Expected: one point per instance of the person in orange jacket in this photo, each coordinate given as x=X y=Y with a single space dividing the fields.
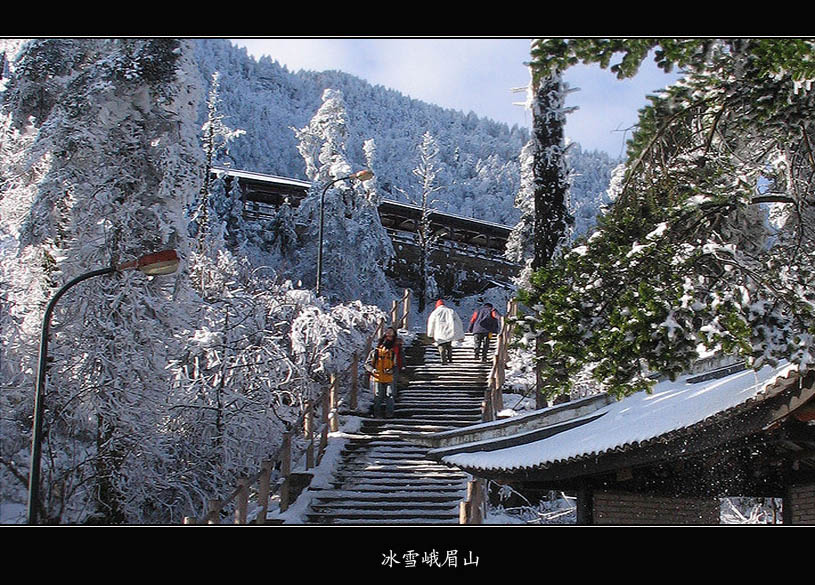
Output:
x=385 y=362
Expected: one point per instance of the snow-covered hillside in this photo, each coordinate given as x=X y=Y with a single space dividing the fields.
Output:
x=478 y=158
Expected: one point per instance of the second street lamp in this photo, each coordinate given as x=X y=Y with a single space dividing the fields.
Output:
x=165 y=262
x=359 y=176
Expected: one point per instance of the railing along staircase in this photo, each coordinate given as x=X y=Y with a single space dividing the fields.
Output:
x=342 y=390
x=384 y=478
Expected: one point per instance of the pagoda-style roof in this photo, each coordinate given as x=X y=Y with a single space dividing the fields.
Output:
x=689 y=417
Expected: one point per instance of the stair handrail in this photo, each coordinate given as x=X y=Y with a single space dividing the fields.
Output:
x=330 y=400
x=404 y=301
x=493 y=395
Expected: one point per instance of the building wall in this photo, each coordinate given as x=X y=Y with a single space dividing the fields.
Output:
x=458 y=271
x=625 y=508
x=801 y=504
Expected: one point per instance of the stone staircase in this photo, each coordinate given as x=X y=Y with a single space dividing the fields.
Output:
x=383 y=478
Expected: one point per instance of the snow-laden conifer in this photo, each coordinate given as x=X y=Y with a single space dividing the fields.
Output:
x=356 y=248
x=688 y=262
x=107 y=164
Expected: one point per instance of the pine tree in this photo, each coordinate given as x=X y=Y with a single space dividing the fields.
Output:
x=549 y=185
x=356 y=248
x=521 y=242
x=216 y=137
x=687 y=259
x=427 y=172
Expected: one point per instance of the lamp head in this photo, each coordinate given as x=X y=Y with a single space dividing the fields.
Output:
x=165 y=262
x=364 y=175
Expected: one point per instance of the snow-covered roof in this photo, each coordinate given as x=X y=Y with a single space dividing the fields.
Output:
x=261 y=177
x=636 y=419
x=275 y=179
x=418 y=210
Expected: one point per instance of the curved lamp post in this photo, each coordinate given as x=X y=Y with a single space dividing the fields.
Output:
x=359 y=176
x=165 y=262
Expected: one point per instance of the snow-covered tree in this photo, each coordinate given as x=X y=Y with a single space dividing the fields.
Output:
x=544 y=195
x=216 y=136
x=427 y=172
x=520 y=244
x=356 y=248
x=100 y=164
x=688 y=259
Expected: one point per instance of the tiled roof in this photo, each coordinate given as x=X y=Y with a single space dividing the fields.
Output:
x=670 y=409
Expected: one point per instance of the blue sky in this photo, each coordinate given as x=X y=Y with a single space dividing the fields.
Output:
x=474 y=74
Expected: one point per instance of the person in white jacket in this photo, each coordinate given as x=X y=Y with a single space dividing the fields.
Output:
x=444 y=326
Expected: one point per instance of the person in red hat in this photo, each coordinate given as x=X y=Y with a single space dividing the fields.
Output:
x=444 y=326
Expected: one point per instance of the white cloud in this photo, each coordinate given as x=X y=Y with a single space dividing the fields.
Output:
x=463 y=74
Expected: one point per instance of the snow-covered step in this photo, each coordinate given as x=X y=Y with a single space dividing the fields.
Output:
x=426 y=424
x=345 y=496
x=392 y=466
x=406 y=491
x=381 y=518
x=395 y=477
x=382 y=477
x=349 y=505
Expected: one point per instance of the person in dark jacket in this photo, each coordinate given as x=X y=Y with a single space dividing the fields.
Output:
x=483 y=322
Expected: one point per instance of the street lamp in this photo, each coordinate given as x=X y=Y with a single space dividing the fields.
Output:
x=363 y=175
x=165 y=262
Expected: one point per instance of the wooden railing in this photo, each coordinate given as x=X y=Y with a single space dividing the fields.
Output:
x=493 y=396
x=473 y=509
x=397 y=321
x=316 y=442
x=330 y=400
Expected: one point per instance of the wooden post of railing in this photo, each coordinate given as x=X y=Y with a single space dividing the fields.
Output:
x=333 y=420
x=472 y=498
x=494 y=401
x=308 y=433
x=353 y=399
x=405 y=309
x=264 y=490
x=463 y=509
x=394 y=314
x=368 y=343
x=497 y=379
x=481 y=499
x=285 y=471
x=324 y=433
x=487 y=413
x=242 y=505
x=213 y=512
x=473 y=509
